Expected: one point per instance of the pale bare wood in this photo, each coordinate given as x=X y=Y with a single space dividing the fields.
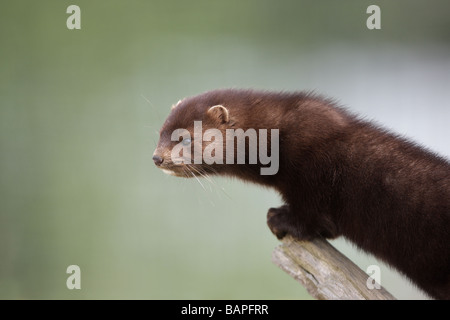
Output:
x=325 y=272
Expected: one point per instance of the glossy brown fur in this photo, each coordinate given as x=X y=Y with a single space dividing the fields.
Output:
x=339 y=175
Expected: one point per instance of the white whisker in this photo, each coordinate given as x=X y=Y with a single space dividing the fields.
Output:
x=204 y=175
x=153 y=106
x=198 y=181
x=147 y=100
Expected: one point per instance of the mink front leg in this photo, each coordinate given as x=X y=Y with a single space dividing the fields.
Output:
x=283 y=221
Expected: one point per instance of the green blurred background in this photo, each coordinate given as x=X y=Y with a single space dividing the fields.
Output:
x=80 y=111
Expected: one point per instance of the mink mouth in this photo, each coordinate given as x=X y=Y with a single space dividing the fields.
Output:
x=174 y=170
x=175 y=173
x=187 y=170
x=179 y=170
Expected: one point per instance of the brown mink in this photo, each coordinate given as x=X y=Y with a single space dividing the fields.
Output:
x=337 y=174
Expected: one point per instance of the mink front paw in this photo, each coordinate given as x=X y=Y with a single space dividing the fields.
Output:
x=277 y=220
x=281 y=223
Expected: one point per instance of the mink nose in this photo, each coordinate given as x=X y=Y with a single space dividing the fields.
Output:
x=158 y=160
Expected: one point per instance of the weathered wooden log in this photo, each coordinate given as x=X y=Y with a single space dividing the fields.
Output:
x=325 y=272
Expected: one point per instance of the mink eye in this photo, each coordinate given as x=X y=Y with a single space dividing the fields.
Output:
x=186 y=142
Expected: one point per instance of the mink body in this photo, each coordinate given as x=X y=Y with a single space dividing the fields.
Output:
x=338 y=176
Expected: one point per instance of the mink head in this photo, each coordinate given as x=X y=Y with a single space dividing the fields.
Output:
x=191 y=140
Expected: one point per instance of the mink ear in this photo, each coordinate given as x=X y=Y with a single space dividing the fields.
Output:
x=219 y=113
x=176 y=105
